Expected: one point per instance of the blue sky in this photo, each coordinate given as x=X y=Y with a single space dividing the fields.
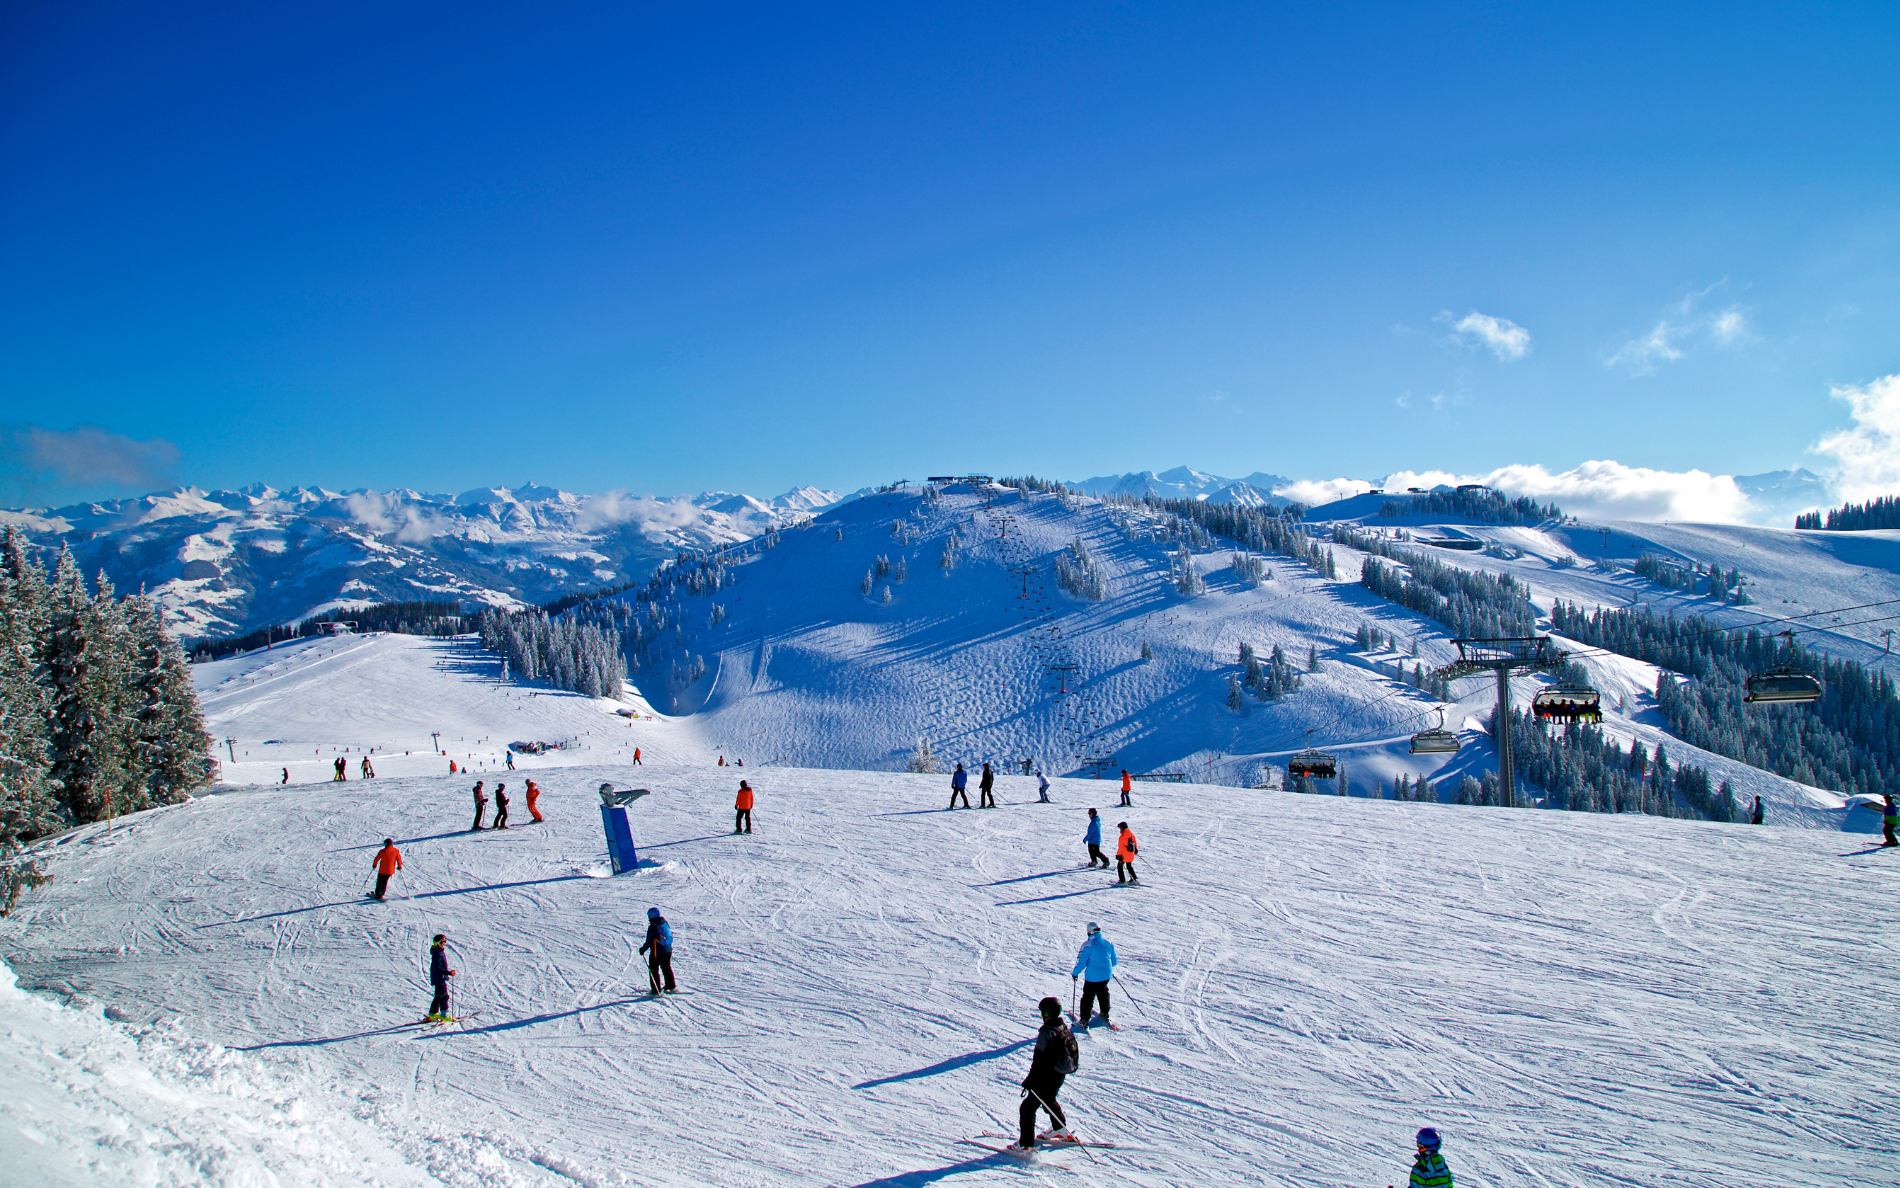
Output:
x=677 y=247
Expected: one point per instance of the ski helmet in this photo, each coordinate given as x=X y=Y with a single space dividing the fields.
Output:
x=1428 y=1139
x=1051 y=1007
x=389 y=841
x=653 y=913
x=1094 y=928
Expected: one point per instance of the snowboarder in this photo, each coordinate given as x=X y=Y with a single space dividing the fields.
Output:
x=511 y=760
x=439 y=975
x=501 y=806
x=481 y=806
x=1889 y=820
x=636 y=758
x=1428 y=1166
x=1056 y=1056
x=659 y=950
x=1092 y=838
x=1125 y=851
x=984 y=784
x=959 y=784
x=387 y=862
x=1042 y=788
x=1097 y=959
x=369 y=773
x=534 y=798
x=286 y=778
x=742 y=809
x=1128 y=785
x=1755 y=818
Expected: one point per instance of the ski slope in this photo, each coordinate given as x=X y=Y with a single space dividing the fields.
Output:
x=1572 y=999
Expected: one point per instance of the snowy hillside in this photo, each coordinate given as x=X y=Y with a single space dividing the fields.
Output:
x=1572 y=999
x=992 y=660
x=224 y=562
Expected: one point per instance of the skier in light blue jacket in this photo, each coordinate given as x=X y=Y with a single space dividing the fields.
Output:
x=1093 y=840
x=1097 y=959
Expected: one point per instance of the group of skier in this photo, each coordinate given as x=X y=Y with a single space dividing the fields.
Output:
x=501 y=805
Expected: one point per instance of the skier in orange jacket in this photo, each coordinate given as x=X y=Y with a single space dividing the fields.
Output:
x=534 y=796
x=387 y=862
x=1125 y=851
x=1128 y=785
x=742 y=806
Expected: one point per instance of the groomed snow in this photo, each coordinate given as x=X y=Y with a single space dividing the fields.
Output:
x=1571 y=999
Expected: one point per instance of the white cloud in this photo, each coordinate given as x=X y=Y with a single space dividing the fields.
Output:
x=1598 y=490
x=1730 y=326
x=1641 y=356
x=1867 y=456
x=90 y=455
x=1313 y=492
x=1501 y=336
x=1667 y=341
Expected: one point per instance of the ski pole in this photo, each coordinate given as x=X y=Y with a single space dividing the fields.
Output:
x=1123 y=987
x=1075 y=1007
x=1053 y=1115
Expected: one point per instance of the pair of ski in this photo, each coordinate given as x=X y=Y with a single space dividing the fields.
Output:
x=991 y=1140
x=1075 y=1022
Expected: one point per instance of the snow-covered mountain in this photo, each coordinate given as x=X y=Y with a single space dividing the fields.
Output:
x=1183 y=482
x=1778 y=495
x=222 y=562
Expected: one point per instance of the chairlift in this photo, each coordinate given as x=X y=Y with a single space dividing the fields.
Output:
x=1782 y=684
x=1312 y=765
x=1435 y=740
x=1568 y=703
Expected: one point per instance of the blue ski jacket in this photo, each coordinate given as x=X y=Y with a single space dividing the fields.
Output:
x=1094 y=836
x=960 y=780
x=1097 y=957
x=659 y=936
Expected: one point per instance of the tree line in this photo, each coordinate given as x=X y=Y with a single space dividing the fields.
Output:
x=437 y=619
x=1883 y=512
x=97 y=713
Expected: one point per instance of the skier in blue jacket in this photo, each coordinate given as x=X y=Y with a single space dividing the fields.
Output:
x=959 y=781
x=1096 y=958
x=1093 y=840
x=659 y=951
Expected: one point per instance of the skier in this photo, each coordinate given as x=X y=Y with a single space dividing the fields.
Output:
x=1097 y=959
x=1125 y=851
x=959 y=783
x=452 y=767
x=439 y=975
x=501 y=806
x=1056 y=1056
x=722 y=760
x=369 y=773
x=984 y=784
x=1128 y=785
x=1755 y=818
x=1093 y=840
x=1889 y=820
x=387 y=862
x=481 y=806
x=286 y=778
x=511 y=760
x=534 y=797
x=342 y=770
x=636 y=758
x=1027 y=764
x=742 y=809
x=1428 y=1167
x=659 y=950
x=1042 y=788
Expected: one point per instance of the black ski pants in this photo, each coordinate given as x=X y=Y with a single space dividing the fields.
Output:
x=382 y=885
x=660 y=969
x=959 y=794
x=481 y=807
x=1091 y=993
x=1125 y=872
x=1126 y=802
x=1886 y=833
x=1040 y=1095
x=1096 y=855
x=742 y=820
x=987 y=800
x=439 y=1005
x=501 y=817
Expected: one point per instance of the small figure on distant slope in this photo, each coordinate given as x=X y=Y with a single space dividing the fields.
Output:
x=636 y=758
x=340 y=769
x=387 y=862
x=1428 y=1166
x=1128 y=785
x=501 y=806
x=742 y=809
x=286 y=778
x=984 y=784
x=481 y=805
x=1055 y=1057
x=1092 y=838
x=369 y=773
x=1125 y=851
x=439 y=975
x=1042 y=788
x=1755 y=818
x=511 y=759
x=959 y=786
x=534 y=802
x=1097 y=959
x=659 y=950
x=1889 y=820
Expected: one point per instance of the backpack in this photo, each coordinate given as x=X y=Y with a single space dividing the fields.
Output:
x=1073 y=1054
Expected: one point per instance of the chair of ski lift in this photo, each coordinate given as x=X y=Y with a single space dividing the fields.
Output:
x=1435 y=740
x=1568 y=703
x=1313 y=765
x=1781 y=686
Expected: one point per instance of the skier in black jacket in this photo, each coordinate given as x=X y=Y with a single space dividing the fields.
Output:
x=985 y=785
x=1055 y=1058
x=439 y=975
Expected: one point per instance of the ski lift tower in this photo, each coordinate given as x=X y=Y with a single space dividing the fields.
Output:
x=1503 y=657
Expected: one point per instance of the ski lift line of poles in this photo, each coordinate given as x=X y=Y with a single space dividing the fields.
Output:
x=1582 y=653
